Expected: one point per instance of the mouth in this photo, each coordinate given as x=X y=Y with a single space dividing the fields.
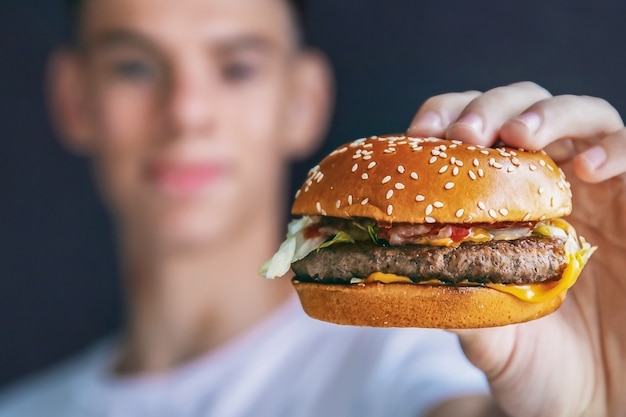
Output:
x=186 y=179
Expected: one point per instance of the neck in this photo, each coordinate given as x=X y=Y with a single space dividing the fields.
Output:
x=186 y=303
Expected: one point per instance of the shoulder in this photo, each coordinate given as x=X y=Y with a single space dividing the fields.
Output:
x=53 y=392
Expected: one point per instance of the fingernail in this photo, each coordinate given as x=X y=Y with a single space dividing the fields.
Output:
x=531 y=119
x=595 y=156
x=472 y=120
x=430 y=119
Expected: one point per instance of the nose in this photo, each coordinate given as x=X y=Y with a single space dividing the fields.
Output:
x=190 y=101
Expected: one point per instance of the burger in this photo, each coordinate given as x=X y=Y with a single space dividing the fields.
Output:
x=398 y=231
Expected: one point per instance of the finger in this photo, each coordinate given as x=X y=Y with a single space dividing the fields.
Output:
x=438 y=112
x=605 y=160
x=567 y=116
x=480 y=121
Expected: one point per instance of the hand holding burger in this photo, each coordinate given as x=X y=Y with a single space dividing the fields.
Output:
x=571 y=362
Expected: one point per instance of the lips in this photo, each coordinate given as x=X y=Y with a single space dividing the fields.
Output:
x=186 y=178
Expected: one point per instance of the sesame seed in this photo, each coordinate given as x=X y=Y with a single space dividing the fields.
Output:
x=371 y=165
x=542 y=162
x=400 y=169
x=389 y=150
x=367 y=157
x=399 y=186
x=429 y=209
x=510 y=168
x=541 y=190
x=338 y=203
x=471 y=148
x=350 y=199
x=420 y=197
x=459 y=213
x=492 y=161
x=475 y=162
x=318 y=206
x=443 y=169
x=455 y=171
x=430 y=219
x=438 y=204
x=532 y=167
x=414 y=175
x=482 y=206
x=355 y=167
x=526 y=217
x=503 y=211
x=456 y=141
x=453 y=160
x=389 y=209
x=356 y=156
x=432 y=160
x=459 y=163
x=386 y=179
x=493 y=213
x=324 y=212
x=497 y=165
x=443 y=155
x=481 y=173
x=320 y=175
x=389 y=194
x=449 y=185
x=365 y=201
x=515 y=161
x=364 y=176
x=471 y=174
x=550 y=167
x=484 y=151
x=298 y=193
x=435 y=151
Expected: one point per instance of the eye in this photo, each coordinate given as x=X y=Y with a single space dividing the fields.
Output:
x=134 y=70
x=239 y=71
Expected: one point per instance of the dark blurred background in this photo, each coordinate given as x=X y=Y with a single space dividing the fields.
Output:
x=59 y=288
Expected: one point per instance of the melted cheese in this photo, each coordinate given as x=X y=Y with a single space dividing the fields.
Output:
x=386 y=278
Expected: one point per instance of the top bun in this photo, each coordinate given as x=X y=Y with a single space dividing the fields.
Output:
x=427 y=180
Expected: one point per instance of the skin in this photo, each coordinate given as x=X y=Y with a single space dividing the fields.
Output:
x=190 y=111
x=570 y=363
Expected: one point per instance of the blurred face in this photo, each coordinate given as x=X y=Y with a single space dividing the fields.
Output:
x=187 y=102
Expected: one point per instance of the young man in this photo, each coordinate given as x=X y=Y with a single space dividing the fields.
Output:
x=190 y=111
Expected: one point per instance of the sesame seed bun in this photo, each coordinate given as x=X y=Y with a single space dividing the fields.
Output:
x=427 y=180
x=409 y=305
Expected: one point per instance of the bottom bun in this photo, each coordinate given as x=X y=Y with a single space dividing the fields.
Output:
x=410 y=305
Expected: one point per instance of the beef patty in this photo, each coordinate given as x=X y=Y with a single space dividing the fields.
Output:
x=520 y=261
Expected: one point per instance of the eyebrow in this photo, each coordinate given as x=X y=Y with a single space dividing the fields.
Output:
x=224 y=46
x=116 y=38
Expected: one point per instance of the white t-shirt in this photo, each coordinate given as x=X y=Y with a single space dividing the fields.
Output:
x=288 y=365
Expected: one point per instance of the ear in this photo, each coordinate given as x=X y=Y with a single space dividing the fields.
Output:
x=67 y=100
x=311 y=104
